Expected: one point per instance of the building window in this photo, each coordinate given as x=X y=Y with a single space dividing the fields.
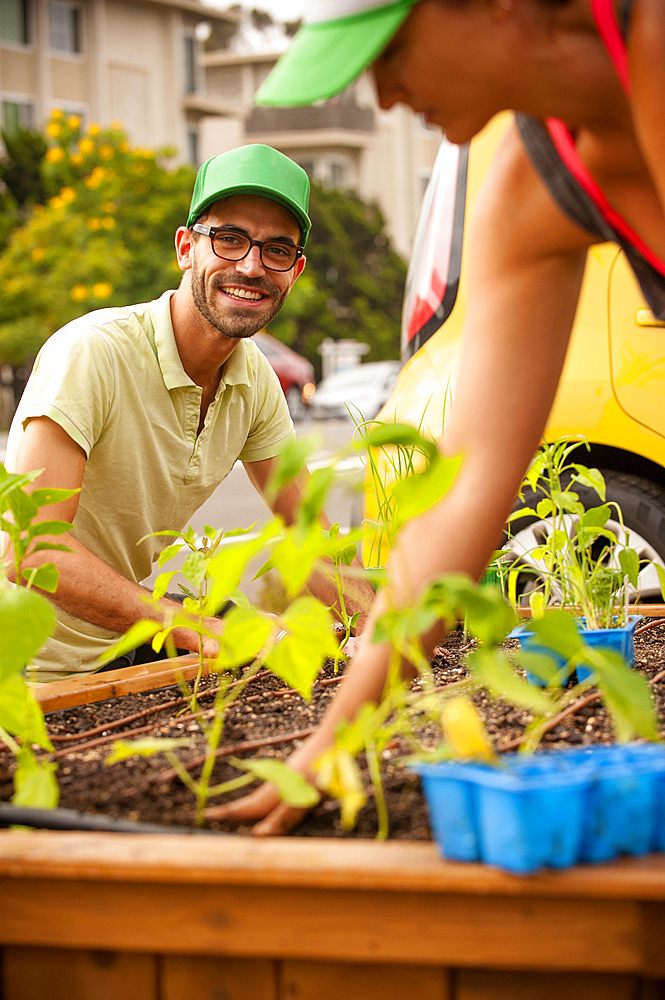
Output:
x=16 y=115
x=337 y=174
x=190 y=64
x=65 y=21
x=193 y=147
x=14 y=21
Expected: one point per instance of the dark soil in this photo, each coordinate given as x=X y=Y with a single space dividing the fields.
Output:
x=141 y=788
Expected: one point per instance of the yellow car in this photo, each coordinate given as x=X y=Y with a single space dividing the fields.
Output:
x=613 y=386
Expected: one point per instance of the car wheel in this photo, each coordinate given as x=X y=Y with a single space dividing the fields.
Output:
x=643 y=507
x=295 y=404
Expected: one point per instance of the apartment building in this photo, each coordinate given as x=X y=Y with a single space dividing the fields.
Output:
x=347 y=142
x=137 y=62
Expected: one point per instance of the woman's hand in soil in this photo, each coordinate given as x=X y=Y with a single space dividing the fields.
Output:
x=264 y=805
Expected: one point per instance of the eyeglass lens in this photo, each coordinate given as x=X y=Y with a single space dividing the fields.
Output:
x=235 y=246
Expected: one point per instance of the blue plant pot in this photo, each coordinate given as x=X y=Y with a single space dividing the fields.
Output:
x=556 y=808
x=620 y=639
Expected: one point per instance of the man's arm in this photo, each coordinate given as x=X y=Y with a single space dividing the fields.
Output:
x=526 y=263
x=88 y=587
x=358 y=593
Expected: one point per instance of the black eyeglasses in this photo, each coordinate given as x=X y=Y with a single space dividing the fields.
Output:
x=230 y=245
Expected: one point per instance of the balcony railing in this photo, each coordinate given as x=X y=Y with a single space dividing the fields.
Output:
x=328 y=116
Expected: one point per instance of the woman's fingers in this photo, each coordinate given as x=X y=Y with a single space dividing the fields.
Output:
x=282 y=819
x=254 y=806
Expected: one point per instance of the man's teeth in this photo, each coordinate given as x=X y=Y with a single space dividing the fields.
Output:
x=242 y=293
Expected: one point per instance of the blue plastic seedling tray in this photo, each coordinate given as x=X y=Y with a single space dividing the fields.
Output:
x=553 y=809
x=621 y=640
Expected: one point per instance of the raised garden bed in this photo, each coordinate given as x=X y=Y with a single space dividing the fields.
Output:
x=181 y=916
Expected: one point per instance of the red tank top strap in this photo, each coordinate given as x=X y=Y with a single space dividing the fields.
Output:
x=565 y=145
x=609 y=30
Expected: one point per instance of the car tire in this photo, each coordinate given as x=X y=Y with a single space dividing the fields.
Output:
x=642 y=504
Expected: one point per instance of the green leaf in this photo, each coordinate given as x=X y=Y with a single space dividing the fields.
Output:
x=139 y=633
x=591 y=478
x=596 y=517
x=34 y=782
x=298 y=658
x=146 y=747
x=545 y=508
x=416 y=494
x=49 y=528
x=542 y=666
x=626 y=696
x=630 y=565
x=20 y=712
x=557 y=631
x=45 y=577
x=293 y=461
x=293 y=787
x=318 y=486
x=23 y=507
x=48 y=496
x=162 y=582
x=194 y=568
x=168 y=553
x=228 y=565
x=26 y=621
x=49 y=547
x=661 y=577
x=244 y=635
x=384 y=435
x=495 y=673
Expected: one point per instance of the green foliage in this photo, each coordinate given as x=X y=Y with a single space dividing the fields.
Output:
x=582 y=563
x=103 y=236
x=352 y=285
x=26 y=621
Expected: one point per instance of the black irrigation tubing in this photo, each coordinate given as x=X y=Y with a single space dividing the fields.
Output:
x=70 y=819
x=652 y=624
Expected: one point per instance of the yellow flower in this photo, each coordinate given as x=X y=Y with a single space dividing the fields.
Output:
x=54 y=129
x=79 y=293
x=56 y=113
x=108 y=206
x=99 y=172
x=102 y=290
x=55 y=154
x=73 y=121
x=57 y=202
x=465 y=731
x=86 y=146
x=76 y=159
x=37 y=253
x=106 y=151
x=123 y=147
x=68 y=194
x=108 y=222
x=93 y=224
x=94 y=129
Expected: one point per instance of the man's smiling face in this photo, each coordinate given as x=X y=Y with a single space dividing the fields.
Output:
x=240 y=297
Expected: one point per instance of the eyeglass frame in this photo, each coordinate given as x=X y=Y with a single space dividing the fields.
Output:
x=212 y=231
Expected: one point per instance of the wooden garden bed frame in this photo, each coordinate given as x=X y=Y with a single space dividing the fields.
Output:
x=102 y=916
x=185 y=917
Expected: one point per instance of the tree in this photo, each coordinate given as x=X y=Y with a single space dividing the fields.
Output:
x=105 y=238
x=352 y=285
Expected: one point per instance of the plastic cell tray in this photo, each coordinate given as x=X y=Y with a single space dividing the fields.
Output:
x=552 y=809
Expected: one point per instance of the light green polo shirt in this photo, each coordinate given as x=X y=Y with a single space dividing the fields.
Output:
x=113 y=380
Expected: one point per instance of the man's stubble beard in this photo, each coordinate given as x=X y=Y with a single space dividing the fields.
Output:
x=230 y=325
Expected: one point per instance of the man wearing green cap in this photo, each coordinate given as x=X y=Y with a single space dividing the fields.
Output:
x=583 y=164
x=147 y=408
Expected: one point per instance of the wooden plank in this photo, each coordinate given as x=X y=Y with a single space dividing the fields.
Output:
x=33 y=973
x=352 y=981
x=648 y=610
x=184 y=977
x=307 y=862
x=483 y=984
x=351 y=925
x=112 y=683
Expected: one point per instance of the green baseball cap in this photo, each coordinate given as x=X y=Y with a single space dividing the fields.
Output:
x=254 y=169
x=338 y=39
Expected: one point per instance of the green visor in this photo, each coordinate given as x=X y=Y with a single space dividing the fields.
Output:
x=326 y=56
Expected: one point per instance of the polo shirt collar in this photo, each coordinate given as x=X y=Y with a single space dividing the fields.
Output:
x=236 y=369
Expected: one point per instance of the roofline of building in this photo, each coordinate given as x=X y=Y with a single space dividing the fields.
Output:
x=195 y=7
